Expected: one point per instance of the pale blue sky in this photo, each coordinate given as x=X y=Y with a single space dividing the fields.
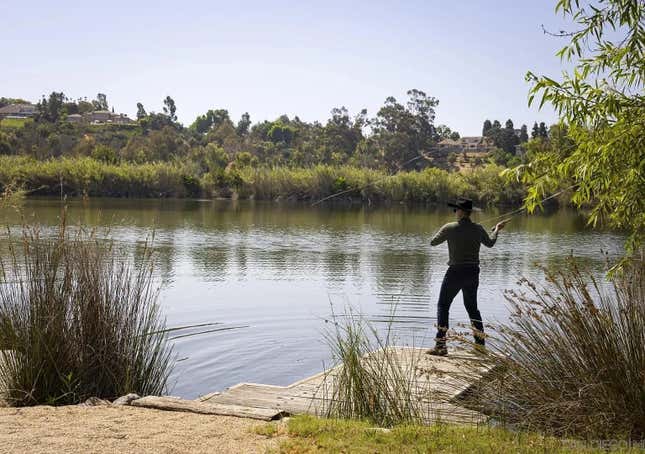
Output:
x=270 y=58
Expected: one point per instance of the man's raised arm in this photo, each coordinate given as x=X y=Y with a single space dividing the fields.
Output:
x=489 y=241
x=440 y=236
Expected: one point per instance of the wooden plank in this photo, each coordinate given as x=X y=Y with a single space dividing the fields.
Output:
x=175 y=404
x=437 y=383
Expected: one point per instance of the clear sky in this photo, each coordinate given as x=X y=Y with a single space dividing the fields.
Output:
x=276 y=57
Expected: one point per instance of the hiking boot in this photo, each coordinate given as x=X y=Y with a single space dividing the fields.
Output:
x=438 y=351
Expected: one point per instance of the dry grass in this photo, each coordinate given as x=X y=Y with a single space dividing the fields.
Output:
x=571 y=362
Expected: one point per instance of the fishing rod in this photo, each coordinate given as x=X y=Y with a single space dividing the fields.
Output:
x=511 y=214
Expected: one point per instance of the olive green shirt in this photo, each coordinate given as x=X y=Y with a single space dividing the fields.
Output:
x=464 y=238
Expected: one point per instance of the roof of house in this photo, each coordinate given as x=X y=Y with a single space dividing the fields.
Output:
x=17 y=109
x=75 y=116
x=449 y=142
x=472 y=139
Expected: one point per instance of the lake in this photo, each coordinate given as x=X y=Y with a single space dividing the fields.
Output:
x=273 y=273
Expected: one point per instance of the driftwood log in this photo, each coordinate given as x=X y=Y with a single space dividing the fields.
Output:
x=192 y=406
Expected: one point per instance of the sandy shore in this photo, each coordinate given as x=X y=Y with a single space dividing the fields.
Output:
x=106 y=429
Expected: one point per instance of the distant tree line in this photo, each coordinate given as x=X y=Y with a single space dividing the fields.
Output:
x=389 y=140
x=395 y=135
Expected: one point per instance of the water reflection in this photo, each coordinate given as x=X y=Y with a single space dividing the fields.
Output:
x=278 y=268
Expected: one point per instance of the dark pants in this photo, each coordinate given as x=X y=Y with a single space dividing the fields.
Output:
x=466 y=279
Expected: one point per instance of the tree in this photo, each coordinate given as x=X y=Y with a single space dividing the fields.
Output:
x=202 y=123
x=281 y=132
x=524 y=135
x=422 y=108
x=487 y=126
x=443 y=132
x=402 y=132
x=51 y=109
x=170 y=108
x=340 y=136
x=503 y=138
x=165 y=144
x=141 y=112
x=6 y=101
x=70 y=107
x=84 y=106
x=243 y=125
x=210 y=120
x=603 y=107
x=360 y=120
x=535 y=132
x=100 y=103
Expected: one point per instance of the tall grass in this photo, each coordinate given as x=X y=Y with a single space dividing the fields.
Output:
x=484 y=185
x=87 y=176
x=91 y=177
x=571 y=361
x=76 y=318
x=370 y=380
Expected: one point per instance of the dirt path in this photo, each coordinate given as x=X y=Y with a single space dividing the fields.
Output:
x=105 y=429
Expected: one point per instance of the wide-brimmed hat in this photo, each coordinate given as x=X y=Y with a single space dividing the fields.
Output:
x=463 y=204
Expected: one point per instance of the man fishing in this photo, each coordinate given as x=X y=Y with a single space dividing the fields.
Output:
x=464 y=239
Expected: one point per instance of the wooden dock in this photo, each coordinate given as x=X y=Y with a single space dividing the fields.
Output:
x=438 y=383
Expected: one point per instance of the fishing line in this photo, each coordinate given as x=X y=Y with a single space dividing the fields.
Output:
x=360 y=188
x=512 y=214
x=509 y=214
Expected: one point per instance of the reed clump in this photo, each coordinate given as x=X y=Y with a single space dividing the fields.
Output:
x=369 y=381
x=86 y=176
x=77 y=320
x=485 y=185
x=571 y=361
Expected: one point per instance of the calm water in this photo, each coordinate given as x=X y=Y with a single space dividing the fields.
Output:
x=276 y=271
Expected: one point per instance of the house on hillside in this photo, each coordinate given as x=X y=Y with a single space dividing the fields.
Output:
x=100 y=117
x=121 y=119
x=463 y=153
x=18 y=111
x=477 y=144
x=75 y=118
x=473 y=144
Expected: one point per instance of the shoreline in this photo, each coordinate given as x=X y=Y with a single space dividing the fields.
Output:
x=341 y=203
